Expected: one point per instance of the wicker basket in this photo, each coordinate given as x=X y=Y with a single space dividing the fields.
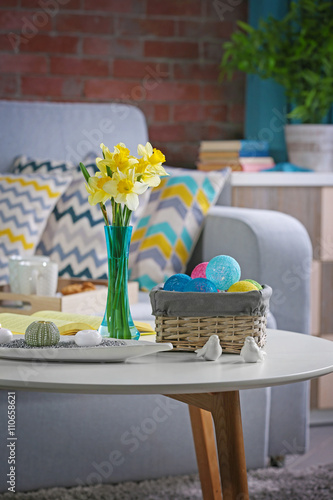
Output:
x=231 y=316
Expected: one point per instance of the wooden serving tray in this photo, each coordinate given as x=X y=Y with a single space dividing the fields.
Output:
x=92 y=302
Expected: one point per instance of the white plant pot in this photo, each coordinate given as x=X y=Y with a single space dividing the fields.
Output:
x=310 y=146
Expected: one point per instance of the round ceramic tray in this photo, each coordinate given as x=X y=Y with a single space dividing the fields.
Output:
x=106 y=354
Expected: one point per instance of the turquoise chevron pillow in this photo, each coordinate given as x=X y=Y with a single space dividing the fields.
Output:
x=171 y=223
x=27 y=165
x=26 y=201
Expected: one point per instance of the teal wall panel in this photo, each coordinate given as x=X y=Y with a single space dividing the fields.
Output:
x=266 y=105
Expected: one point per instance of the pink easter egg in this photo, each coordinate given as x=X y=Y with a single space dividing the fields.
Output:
x=199 y=271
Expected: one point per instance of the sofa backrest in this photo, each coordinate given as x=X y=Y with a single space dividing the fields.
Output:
x=66 y=131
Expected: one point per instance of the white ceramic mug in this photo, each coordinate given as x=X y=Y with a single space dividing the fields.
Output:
x=13 y=265
x=37 y=276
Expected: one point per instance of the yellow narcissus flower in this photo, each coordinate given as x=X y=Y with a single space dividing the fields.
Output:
x=157 y=158
x=150 y=165
x=95 y=188
x=124 y=188
x=145 y=173
x=151 y=155
x=120 y=159
x=141 y=167
x=122 y=178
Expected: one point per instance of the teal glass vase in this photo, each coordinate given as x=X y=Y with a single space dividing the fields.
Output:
x=117 y=321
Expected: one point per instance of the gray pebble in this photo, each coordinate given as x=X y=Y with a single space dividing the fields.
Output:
x=62 y=344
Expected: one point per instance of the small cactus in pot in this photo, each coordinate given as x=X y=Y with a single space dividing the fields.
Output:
x=42 y=334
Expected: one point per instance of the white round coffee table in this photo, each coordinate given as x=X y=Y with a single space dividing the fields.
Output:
x=210 y=386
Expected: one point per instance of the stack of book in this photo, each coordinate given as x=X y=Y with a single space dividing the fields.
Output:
x=243 y=155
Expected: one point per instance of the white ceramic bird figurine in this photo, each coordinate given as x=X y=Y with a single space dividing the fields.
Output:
x=251 y=352
x=212 y=350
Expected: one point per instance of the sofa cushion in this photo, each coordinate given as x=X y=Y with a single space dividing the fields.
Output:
x=25 y=164
x=26 y=202
x=74 y=234
x=171 y=223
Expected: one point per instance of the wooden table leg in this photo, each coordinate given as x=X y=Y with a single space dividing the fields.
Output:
x=230 y=445
x=205 y=449
x=225 y=410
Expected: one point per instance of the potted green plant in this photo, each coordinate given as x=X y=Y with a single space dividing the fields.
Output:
x=296 y=52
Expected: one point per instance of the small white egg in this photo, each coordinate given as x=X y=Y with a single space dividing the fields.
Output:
x=88 y=338
x=5 y=336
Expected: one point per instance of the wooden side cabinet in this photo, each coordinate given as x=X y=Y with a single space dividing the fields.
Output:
x=309 y=198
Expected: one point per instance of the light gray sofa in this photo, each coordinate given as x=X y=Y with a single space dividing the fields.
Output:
x=66 y=439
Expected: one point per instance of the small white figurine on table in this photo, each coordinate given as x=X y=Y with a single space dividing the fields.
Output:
x=212 y=349
x=251 y=352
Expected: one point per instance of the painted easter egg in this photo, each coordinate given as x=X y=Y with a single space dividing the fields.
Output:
x=242 y=286
x=176 y=283
x=199 y=271
x=200 y=285
x=223 y=271
x=255 y=283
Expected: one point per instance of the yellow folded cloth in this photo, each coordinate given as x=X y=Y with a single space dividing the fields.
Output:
x=68 y=324
x=144 y=328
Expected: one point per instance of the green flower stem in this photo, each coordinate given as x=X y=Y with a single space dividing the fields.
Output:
x=105 y=214
x=113 y=204
x=128 y=214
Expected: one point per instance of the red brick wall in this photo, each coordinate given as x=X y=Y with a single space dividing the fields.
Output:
x=160 y=55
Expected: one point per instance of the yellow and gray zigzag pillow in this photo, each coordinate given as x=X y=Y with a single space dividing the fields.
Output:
x=26 y=202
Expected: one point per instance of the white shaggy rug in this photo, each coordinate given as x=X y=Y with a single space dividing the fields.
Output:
x=315 y=483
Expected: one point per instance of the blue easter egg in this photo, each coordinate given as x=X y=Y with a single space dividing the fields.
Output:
x=200 y=285
x=223 y=271
x=176 y=283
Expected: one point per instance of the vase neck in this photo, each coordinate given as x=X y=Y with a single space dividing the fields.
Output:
x=118 y=240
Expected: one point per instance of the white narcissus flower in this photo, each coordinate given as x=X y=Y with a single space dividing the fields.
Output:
x=125 y=189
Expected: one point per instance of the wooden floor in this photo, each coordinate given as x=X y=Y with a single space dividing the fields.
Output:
x=321 y=443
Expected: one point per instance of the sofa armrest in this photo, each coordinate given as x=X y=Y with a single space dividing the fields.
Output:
x=272 y=248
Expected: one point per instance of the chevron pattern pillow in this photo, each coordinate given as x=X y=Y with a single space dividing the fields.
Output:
x=26 y=202
x=25 y=164
x=74 y=235
x=171 y=224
